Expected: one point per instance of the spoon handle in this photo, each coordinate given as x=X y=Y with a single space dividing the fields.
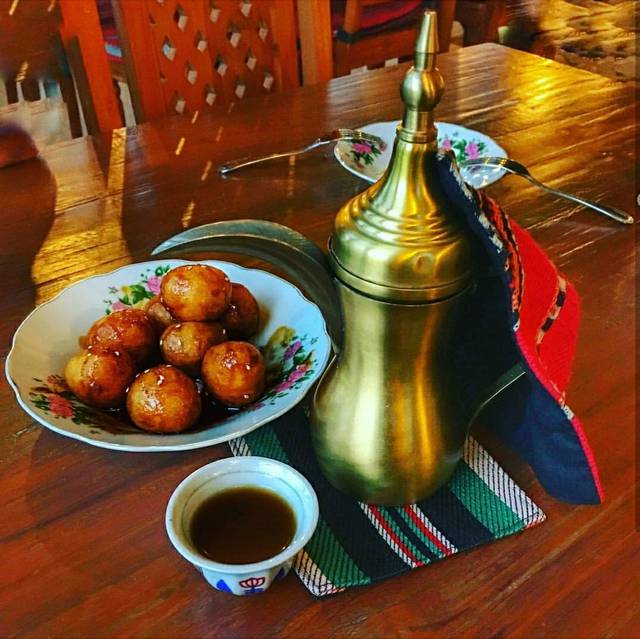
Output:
x=609 y=211
x=238 y=164
x=352 y=135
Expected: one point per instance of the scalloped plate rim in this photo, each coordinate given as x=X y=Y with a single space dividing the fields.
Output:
x=297 y=397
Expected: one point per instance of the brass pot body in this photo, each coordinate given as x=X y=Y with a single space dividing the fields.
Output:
x=386 y=422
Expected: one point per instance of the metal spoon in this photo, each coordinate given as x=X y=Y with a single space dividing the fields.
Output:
x=350 y=135
x=511 y=166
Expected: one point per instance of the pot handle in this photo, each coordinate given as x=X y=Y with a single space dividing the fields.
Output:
x=293 y=253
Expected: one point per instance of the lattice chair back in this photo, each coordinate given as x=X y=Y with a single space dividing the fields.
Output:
x=184 y=55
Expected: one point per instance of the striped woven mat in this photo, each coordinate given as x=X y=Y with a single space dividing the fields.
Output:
x=357 y=544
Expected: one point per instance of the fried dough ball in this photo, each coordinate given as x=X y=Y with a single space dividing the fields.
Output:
x=196 y=293
x=163 y=399
x=242 y=317
x=100 y=376
x=234 y=373
x=130 y=330
x=159 y=313
x=185 y=344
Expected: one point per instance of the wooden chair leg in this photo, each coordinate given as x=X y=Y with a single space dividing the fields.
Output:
x=76 y=64
x=30 y=90
x=67 y=90
x=480 y=20
x=316 y=42
x=341 y=57
x=80 y=28
x=12 y=91
x=343 y=63
x=495 y=17
x=446 y=12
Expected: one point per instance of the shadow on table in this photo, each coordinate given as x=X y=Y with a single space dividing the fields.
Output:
x=22 y=232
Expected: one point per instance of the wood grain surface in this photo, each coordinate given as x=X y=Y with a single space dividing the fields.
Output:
x=83 y=547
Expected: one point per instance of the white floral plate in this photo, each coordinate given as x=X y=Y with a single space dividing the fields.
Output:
x=369 y=162
x=292 y=336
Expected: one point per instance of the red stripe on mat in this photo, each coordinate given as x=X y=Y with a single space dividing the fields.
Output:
x=378 y=515
x=426 y=532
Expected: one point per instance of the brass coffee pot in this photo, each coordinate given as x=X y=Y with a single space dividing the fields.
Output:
x=387 y=424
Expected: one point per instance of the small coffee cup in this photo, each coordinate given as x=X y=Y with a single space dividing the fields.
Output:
x=242 y=472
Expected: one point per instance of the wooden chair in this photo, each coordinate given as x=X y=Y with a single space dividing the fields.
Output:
x=47 y=43
x=480 y=19
x=183 y=55
x=325 y=56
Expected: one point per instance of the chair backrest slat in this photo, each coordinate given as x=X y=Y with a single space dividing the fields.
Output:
x=183 y=55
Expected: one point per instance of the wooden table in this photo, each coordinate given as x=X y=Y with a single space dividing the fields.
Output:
x=84 y=551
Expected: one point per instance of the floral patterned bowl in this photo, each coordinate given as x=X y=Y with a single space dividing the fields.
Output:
x=292 y=337
x=370 y=162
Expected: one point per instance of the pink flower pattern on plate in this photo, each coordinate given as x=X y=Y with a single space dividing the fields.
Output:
x=54 y=397
x=118 y=306
x=283 y=386
x=362 y=147
x=296 y=374
x=292 y=350
x=472 y=151
x=153 y=284
x=137 y=293
x=60 y=406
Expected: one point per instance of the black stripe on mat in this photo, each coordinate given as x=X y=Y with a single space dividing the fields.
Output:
x=449 y=515
x=410 y=534
x=341 y=512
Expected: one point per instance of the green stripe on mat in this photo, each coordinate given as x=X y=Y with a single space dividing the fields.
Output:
x=332 y=559
x=264 y=443
x=403 y=538
x=423 y=538
x=482 y=502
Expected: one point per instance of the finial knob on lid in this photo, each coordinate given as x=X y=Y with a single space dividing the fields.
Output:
x=423 y=84
x=403 y=240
